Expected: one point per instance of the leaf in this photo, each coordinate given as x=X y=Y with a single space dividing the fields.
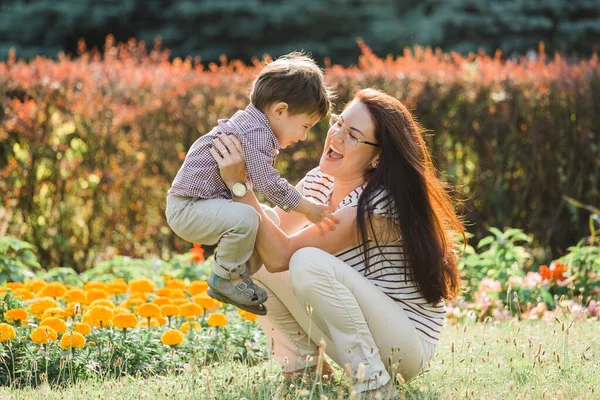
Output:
x=485 y=241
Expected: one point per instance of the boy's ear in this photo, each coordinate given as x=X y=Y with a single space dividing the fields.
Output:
x=278 y=109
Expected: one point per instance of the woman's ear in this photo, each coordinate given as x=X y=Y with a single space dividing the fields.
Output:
x=375 y=161
x=279 y=109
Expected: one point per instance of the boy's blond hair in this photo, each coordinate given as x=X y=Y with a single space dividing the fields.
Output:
x=296 y=80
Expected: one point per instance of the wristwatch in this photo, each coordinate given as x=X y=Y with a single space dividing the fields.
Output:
x=239 y=189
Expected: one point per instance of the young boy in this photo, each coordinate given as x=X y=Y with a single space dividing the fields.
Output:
x=288 y=97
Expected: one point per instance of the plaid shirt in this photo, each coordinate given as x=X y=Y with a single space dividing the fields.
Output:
x=199 y=175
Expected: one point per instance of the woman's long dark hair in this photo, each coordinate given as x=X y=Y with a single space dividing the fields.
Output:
x=423 y=210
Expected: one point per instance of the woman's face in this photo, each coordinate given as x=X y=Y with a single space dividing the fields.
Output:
x=343 y=160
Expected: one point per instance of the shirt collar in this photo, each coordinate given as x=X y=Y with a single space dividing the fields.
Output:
x=256 y=114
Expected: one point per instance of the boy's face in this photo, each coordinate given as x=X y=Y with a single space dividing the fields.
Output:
x=289 y=128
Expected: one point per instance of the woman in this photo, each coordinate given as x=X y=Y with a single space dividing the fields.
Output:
x=372 y=287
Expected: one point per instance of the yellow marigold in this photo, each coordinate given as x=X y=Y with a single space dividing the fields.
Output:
x=190 y=310
x=117 y=286
x=179 y=302
x=83 y=328
x=17 y=314
x=43 y=335
x=14 y=285
x=143 y=285
x=125 y=321
x=41 y=304
x=172 y=337
x=139 y=296
x=54 y=290
x=169 y=310
x=99 y=315
x=208 y=303
x=55 y=323
x=161 y=301
x=149 y=310
x=120 y=310
x=195 y=325
x=94 y=285
x=102 y=302
x=35 y=285
x=72 y=340
x=248 y=316
x=6 y=332
x=217 y=319
x=23 y=293
x=76 y=296
x=153 y=322
x=71 y=308
x=95 y=294
x=177 y=294
x=163 y=292
x=197 y=287
x=162 y=321
x=55 y=312
x=175 y=284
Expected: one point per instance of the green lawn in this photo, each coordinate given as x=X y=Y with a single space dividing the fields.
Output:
x=504 y=361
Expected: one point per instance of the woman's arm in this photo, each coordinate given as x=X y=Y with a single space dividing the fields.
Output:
x=292 y=222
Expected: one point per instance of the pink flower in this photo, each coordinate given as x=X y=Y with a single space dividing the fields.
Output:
x=515 y=281
x=532 y=279
x=490 y=285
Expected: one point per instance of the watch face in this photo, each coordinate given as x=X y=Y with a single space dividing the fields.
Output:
x=238 y=190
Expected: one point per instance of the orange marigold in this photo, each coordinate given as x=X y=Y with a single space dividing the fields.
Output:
x=14 y=285
x=125 y=321
x=197 y=253
x=175 y=284
x=172 y=337
x=55 y=312
x=54 y=290
x=197 y=287
x=149 y=310
x=117 y=286
x=190 y=310
x=161 y=301
x=99 y=316
x=169 y=310
x=17 y=314
x=23 y=293
x=143 y=285
x=177 y=294
x=55 y=323
x=208 y=303
x=76 y=296
x=94 y=285
x=43 y=335
x=195 y=326
x=153 y=322
x=102 y=302
x=7 y=332
x=179 y=302
x=83 y=328
x=217 y=319
x=163 y=292
x=35 y=285
x=41 y=304
x=248 y=316
x=96 y=294
x=73 y=340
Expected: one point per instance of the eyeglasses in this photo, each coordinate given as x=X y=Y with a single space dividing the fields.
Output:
x=349 y=137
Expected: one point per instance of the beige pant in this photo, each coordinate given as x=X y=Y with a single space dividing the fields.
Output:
x=210 y=221
x=359 y=323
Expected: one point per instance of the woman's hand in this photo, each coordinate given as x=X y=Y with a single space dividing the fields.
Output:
x=228 y=153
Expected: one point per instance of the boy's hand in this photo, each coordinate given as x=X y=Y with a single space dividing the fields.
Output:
x=319 y=214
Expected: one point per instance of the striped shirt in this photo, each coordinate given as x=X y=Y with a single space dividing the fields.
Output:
x=388 y=266
x=199 y=175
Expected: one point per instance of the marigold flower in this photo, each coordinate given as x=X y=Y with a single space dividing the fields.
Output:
x=163 y=292
x=43 y=335
x=55 y=312
x=99 y=316
x=175 y=284
x=102 y=302
x=217 y=319
x=73 y=340
x=162 y=321
x=76 y=296
x=248 y=316
x=35 y=285
x=54 y=290
x=96 y=294
x=23 y=293
x=161 y=301
x=17 y=314
x=177 y=294
x=149 y=310
x=197 y=253
x=172 y=337
x=15 y=285
x=41 y=304
x=143 y=285
x=55 y=323
x=195 y=325
x=153 y=323
x=95 y=285
x=169 y=310
x=125 y=321
x=179 y=302
x=117 y=286
x=7 y=332
x=197 y=287
x=190 y=310
x=83 y=328
x=120 y=310
x=208 y=303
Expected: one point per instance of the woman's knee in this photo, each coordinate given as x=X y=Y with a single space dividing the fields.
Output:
x=305 y=269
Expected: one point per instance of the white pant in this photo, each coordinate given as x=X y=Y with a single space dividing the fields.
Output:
x=359 y=323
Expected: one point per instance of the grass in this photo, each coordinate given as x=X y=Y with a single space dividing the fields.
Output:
x=493 y=361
